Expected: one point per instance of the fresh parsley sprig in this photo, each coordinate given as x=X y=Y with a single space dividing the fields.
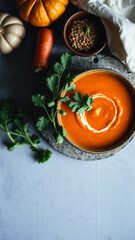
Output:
x=50 y=106
x=53 y=83
x=82 y=104
x=13 y=121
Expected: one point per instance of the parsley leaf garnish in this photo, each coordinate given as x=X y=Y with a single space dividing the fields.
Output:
x=82 y=104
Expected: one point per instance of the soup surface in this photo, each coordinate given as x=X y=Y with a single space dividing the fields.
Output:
x=111 y=114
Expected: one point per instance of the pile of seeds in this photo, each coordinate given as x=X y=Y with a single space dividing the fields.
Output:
x=82 y=35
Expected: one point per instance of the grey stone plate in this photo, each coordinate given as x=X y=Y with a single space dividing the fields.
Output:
x=79 y=65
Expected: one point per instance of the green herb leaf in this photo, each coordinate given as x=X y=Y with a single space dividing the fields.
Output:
x=65 y=99
x=7 y=111
x=44 y=156
x=43 y=124
x=61 y=112
x=82 y=104
x=64 y=133
x=17 y=122
x=58 y=68
x=13 y=121
x=81 y=110
x=52 y=83
x=87 y=99
x=59 y=139
x=10 y=146
x=51 y=104
x=35 y=139
x=70 y=77
x=66 y=60
x=38 y=100
x=70 y=87
x=74 y=105
x=78 y=96
x=21 y=114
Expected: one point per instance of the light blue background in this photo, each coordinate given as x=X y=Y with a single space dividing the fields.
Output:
x=63 y=199
x=66 y=198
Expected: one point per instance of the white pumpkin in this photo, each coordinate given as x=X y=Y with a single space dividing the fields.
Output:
x=11 y=33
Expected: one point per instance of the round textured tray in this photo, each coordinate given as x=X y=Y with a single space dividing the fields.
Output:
x=81 y=64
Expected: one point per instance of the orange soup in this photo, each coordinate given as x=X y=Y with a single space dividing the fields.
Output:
x=110 y=117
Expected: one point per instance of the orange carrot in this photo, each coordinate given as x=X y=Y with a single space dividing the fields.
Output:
x=45 y=39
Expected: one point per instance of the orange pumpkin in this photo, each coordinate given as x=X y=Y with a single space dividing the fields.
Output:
x=41 y=13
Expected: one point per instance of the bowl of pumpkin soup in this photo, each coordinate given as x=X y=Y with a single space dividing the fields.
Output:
x=111 y=121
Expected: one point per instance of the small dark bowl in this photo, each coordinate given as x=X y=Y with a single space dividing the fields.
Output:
x=102 y=34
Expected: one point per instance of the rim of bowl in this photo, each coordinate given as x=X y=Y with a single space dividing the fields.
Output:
x=128 y=135
x=80 y=13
